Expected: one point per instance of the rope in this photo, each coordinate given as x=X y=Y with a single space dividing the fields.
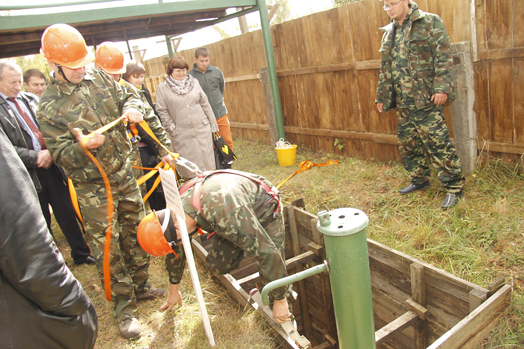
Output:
x=282 y=144
x=304 y=166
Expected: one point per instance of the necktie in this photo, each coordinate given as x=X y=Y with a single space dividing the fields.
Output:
x=29 y=123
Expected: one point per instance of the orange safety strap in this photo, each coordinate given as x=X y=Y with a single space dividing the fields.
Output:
x=110 y=206
x=306 y=165
x=156 y=183
x=74 y=200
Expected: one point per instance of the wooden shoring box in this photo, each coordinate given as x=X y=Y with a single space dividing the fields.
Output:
x=415 y=305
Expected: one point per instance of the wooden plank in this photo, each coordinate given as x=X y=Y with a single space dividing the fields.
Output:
x=290 y=264
x=518 y=19
x=302 y=297
x=400 y=340
x=242 y=297
x=421 y=312
x=481 y=106
x=381 y=282
x=476 y=298
x=518 y=98
x=447 y=300
x=386 y=332
x=496 y=284
x=436 y=277
x=418 y=293
x=501 y=100
x=501 y=53
x=418 y=283
x=498 y=24
x=474 y=322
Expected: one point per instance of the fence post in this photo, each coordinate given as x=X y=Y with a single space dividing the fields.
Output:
x=464 y=120
x=268 y=96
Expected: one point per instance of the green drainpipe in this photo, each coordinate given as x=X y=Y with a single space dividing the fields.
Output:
x=344 y=232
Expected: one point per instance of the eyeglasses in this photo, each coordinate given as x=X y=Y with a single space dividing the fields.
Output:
x=386 y=7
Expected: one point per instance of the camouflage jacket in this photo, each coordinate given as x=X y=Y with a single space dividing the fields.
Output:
x=89 y=105
x=236 y=209
x=151 y=119
x=429 y=60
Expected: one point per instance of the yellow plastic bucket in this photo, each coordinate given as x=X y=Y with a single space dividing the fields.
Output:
x=287 y=156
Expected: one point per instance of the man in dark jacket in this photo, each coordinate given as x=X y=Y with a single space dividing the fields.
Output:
x=213 y=83
x=416 y=79
x=42 y=305
x=18 y=121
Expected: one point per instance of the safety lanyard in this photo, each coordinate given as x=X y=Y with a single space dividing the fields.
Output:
x=110 y=206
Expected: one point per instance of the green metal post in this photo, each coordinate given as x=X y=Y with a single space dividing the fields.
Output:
x=347 y=253
x=268 y=45
x=169 y=47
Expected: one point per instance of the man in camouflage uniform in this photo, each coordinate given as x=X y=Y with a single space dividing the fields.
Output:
x=75 y=104
x=110 y=59
x=246 y=219
x=416 y=79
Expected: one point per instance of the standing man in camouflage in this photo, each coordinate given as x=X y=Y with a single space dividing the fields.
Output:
x=213 y=83
x=416 y=79
x=244 y=212
x=74 y=105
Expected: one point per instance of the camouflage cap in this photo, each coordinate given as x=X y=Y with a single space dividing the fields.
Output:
x=187 y=203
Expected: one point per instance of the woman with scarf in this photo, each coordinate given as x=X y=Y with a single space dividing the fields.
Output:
x=187 y=116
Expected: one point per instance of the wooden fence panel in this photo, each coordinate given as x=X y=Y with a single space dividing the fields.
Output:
x=501 y=100
x=518 y=81
x=327 y=66
x=499 y=24
x=518 y=19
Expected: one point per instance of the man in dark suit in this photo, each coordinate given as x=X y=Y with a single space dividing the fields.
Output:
x=18 y=121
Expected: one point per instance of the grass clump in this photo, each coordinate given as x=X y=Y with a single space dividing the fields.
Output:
x=478 y=240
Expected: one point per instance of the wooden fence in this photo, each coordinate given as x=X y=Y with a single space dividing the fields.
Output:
x=327 y=64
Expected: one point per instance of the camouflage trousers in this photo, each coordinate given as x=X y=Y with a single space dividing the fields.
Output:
x=136 y=161
x=425 y=131
x=129 y=263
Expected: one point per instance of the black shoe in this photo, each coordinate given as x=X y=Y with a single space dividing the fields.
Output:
x=451 y=199
x=413 y=187
x=88 y=260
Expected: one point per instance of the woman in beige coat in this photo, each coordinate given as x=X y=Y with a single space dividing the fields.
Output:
x=187 y=116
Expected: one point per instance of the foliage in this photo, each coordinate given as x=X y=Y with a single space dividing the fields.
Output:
x=33 y=62
x=284 y=12
x=223 y=34
x=339 y=143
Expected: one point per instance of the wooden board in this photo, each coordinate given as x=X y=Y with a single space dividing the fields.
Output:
x=481 y=317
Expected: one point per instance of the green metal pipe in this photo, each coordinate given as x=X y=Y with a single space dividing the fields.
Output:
x=271 y=68
x=169 y=47
x=292 y=278
x=38 y=4
x=347 y=253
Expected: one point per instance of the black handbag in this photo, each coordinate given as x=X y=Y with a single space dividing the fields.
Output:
x=224 y=156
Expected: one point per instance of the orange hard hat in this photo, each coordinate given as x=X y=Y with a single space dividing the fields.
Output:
x=64 y=45
x=110 y=58
x=152 y=233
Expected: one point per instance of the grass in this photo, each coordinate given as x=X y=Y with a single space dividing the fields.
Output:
x=478 y=240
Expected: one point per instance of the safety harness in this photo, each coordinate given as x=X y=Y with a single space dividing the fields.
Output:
x=272 y=192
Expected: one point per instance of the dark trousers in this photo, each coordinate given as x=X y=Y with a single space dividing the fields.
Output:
x=56 y=193
x=149 y=159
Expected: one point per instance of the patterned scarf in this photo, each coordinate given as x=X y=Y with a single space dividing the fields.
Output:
x=180 y=87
